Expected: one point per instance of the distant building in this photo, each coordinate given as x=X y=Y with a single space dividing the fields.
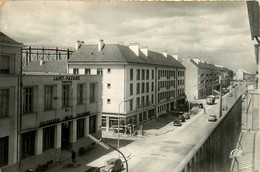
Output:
x=203 y=77
x=10 y=72
x=244 y=75
x=154 y=81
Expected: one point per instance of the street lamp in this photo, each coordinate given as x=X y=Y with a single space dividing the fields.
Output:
x=108 y=147
x=126 y=100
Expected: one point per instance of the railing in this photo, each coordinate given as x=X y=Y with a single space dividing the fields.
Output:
x=211 y=153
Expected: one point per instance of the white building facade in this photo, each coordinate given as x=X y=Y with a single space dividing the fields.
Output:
x=10 y=79
x=130 y=82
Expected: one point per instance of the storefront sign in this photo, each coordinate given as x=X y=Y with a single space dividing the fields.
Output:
x=66 y=78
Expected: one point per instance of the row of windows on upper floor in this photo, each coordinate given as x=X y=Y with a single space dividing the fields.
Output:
x=142 y=101
x=49 y=97
x=141 y=74
x=141 y=88
x=166 y=96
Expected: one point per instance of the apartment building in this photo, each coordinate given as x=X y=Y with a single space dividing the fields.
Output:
x=138 y=84
x=59 y=111
x=244 y=75
x=203 y=77
x=10 y=70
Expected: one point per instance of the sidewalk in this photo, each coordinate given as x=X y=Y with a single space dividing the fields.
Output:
x=250 y=139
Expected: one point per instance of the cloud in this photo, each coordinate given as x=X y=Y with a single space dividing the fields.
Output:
x=208 y=30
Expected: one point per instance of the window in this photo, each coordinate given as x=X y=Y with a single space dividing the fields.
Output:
x=28 y=100
x=80 y=90
x=152 y=74
x=4 y=64
x=143 y=74
x=87 y=71
x=48 y=97
x=108 y=71
x=152 y=86
x=92 y=124
x=80 y=128
x=131 y=89
x=142 y=87
x=99 y=71
x=75 y=71
x=131 y=104
x=4 y=145
x=138 y=88
x=147 y=100
x=131 y=74
x=147 y=87
x=138 y=102
x=108 y=101
x=147 y=74
x=65 y=95
x=138 y=74
x=92 y=92
x=152 y=99
x=108 y=85
x=48 y=138
x=28 y=144
x=4 y=102
x=103 y=121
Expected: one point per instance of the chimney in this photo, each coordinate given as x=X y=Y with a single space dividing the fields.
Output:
x=78 y=44
x=100 y=44
x=135 y=48
x=144 y=50
x=196 y=60
x=164 y=53
x=176 y=57
x=41 y=62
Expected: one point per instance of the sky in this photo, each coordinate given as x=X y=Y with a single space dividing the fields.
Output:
x=217 y=32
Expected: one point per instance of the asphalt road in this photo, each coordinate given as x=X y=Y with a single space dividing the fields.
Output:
x=165 y=152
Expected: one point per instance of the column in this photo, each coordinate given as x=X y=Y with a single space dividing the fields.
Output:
x=57 y=141
x=107 y=124
x=38 y=145
x=86 y=126
x=73 y=131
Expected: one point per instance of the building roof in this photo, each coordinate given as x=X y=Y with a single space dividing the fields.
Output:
x=4 y=39
x=203 y=65
x=47 y=67
x=120 y=54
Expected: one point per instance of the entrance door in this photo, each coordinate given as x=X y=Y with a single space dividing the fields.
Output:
x=65 y=135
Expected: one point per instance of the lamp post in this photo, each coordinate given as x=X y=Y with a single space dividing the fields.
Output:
x=108 y=147
x=126 y=100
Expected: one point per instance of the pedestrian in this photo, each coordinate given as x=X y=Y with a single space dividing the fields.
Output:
x=73 y=156
x=204 y=110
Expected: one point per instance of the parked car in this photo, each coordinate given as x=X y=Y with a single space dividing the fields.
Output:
x=113 y=165
x=224 y=107
x=230 y=95
x=177 y=122
x=196 y=104
x=210 y=100
x=212 y=118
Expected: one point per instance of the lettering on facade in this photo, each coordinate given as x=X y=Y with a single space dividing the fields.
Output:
x=49 y=122
x=66 y=78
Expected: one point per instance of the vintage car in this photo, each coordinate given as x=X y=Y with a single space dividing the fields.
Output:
x=212 y=118
x=113 y=165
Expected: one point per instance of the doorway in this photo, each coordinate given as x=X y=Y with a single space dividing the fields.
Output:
x=65 y=135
